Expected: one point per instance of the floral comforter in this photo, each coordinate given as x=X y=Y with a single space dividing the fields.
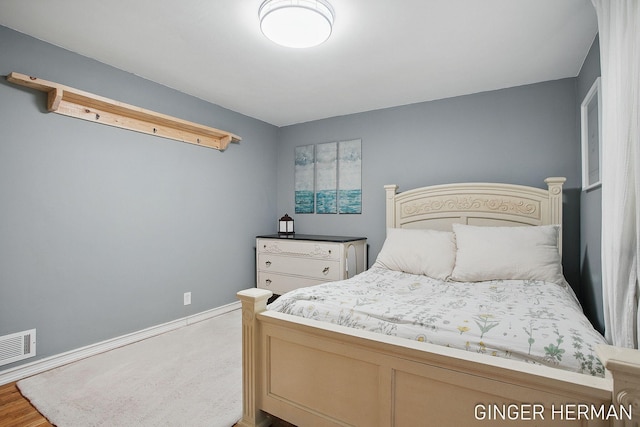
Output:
x=533 y=321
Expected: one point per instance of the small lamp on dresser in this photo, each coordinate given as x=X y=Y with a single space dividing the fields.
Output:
x=285 y=225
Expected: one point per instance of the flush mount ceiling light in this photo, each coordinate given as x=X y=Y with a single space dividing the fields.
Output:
x=296 y=23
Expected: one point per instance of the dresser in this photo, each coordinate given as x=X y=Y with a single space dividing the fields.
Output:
x=284 y=263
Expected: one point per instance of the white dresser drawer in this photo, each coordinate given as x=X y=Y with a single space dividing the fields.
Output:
x=287 y=263
x=320 y=250
x=280 y=283
x=315 y=268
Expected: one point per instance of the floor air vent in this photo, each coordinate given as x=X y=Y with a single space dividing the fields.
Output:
x=18 y=346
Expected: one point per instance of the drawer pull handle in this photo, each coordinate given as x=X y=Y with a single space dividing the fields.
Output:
x=325 y=270
x=268 y=282
x=268 y=263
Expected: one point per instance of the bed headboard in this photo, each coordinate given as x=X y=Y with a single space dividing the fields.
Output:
x=487 y=204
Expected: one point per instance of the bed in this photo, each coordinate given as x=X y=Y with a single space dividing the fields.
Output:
x=376 y=350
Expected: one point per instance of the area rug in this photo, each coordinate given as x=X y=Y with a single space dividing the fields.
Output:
x=188 y=377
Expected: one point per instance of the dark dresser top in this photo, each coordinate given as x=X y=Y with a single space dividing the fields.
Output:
x=315 y=237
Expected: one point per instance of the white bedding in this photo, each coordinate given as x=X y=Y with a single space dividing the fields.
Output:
x=533 y=321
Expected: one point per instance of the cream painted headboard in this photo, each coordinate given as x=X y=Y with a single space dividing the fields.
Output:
x=486 y=204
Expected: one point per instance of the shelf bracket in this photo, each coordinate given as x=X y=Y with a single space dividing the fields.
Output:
x=87 y=106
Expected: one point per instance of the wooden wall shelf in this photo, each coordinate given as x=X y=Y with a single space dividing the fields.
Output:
x=87 y=106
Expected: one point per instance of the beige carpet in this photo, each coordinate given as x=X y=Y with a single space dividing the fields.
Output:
x=188 y=377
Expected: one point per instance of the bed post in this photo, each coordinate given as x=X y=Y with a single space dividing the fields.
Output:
x=254 y=301
x=624 y=365
x=555 y=198
x=390 y=190
x=554 y=185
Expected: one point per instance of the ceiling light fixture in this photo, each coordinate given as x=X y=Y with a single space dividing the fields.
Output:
x=296 y=23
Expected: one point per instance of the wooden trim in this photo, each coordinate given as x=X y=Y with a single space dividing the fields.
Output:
x=94 y=108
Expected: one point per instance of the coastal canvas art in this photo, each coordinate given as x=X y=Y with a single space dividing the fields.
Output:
x=328 y=178
x=304 y=179
x=350 y=177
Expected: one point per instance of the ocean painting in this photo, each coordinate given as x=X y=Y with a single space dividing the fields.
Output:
x=327 y=178
x=350 y=177
x=304 y=179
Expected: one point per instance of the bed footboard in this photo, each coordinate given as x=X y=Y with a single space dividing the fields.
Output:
x=624 y=366
x=253 y=302
x=311 y=373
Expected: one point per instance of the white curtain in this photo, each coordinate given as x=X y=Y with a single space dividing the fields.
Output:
x=619 y=29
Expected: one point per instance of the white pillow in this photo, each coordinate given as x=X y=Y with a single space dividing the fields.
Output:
x=490 y=253
x=426 y=252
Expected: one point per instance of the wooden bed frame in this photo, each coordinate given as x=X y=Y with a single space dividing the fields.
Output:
x=313 y=373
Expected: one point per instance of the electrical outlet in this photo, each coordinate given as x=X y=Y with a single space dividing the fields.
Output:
x=187 y=298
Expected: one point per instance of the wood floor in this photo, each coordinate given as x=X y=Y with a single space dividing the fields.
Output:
x=16 y=411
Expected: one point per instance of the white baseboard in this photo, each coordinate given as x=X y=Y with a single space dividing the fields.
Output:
x=38 y=366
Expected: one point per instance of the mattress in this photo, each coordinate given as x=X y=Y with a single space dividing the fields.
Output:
x=528 y=320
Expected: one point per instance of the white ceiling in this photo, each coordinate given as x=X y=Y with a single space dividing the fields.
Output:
x=382 y=53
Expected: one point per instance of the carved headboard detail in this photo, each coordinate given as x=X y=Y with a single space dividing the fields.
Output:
x=487 y=204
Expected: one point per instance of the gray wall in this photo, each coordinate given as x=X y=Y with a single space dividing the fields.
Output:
x=102 y=229
x=590 y=210
x=519 y=135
